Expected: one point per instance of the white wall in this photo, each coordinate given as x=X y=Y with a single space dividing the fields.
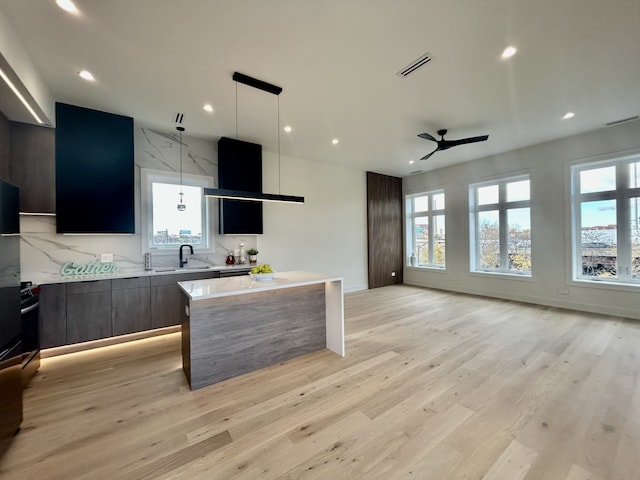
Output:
x=548 y=166
x=328 y=233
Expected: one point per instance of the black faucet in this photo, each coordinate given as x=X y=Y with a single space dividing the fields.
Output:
x=184 y=262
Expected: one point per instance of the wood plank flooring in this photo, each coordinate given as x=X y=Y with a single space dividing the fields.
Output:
x=435 y=385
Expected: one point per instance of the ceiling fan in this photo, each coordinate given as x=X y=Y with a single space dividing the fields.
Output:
x=446 y=144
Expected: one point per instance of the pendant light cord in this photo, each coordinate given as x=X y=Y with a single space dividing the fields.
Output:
x=278 y=143
x=236 y=110
x=180 y=136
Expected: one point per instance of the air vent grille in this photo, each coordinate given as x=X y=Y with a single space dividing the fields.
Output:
x=178 y=118
x=415 y=65
x=415 y=172
x=623 y=120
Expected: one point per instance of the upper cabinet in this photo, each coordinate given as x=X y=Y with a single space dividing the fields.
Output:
x=94 y=171
x=240 y=168
x=32 y=166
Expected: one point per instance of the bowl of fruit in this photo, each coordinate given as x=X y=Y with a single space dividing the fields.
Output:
x=262 y=273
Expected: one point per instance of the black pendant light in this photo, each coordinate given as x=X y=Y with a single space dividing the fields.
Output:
x=181 y=206
x=255 y=196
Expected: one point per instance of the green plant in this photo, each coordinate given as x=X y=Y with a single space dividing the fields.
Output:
x=252 y=251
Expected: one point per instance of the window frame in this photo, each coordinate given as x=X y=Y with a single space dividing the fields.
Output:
x=622 y=194
x=431 y=213
x=502 y=206
x=149 y=176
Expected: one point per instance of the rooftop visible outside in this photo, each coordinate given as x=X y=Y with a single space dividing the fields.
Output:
x=174 y=227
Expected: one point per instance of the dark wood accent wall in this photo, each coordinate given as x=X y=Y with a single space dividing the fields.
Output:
x=4 y=148
x=384 y=229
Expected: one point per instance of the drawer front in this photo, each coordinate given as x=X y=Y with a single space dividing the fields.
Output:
x=126 y=283
x=90 y=286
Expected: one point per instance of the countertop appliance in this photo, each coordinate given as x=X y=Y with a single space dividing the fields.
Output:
x=10 y=322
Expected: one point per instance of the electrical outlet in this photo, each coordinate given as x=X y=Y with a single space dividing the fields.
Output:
x=106 y=257
x=393 y=274
x=563 y=290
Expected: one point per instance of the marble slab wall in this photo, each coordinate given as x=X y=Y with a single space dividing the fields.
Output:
x=43 y=251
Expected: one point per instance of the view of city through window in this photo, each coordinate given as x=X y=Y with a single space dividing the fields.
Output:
x=608 y=215
x=174 y=227
x=502 y=226
x=428 y=243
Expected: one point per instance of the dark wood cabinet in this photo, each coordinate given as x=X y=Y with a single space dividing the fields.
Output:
x=32 y=166
x=88 y=311
x=94 y=171
x=53 y=315
x=131 y=305
x=165 y=297
x=91 y=310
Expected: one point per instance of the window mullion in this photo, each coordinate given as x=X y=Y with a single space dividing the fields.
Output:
x=504 y=230
x=623 y=235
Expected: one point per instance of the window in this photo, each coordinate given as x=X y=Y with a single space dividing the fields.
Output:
x=165 y=227
x=606 y=220
x=425 y=229
x=500 y=219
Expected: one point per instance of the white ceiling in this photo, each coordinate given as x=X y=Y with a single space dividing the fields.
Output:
x=337 y=61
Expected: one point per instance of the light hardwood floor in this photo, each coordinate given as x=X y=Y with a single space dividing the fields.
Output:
x=435 y=385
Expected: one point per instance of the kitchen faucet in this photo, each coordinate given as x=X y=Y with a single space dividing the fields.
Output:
x=184 y=262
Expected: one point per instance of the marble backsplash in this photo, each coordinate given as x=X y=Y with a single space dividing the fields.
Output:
x=43 y=251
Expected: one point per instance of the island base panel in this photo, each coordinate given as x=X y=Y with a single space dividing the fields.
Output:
x=234 y=335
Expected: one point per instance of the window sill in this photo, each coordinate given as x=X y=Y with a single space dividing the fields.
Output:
x=603 y=284
x=426 y=267
x=505 y=275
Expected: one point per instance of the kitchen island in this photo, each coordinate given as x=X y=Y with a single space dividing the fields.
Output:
x=232 y=326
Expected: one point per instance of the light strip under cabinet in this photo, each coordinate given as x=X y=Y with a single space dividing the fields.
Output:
x=251 y=196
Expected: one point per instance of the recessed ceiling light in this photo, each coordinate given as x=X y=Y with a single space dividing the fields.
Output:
x=335 y=141
x=87 y=75
x=208 y=108
x=411 y=162
x=569 y=115
x=287 y=129
x=67 y=6
x=509 y=52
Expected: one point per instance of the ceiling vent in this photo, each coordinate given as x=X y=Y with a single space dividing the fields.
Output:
x=178 y=118
x=415 y=65
x=415 y=172
x=623 y=120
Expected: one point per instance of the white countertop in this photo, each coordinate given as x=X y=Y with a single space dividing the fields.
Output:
x=223 y=287
x=129 y=273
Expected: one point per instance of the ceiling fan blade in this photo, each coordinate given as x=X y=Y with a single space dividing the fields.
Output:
x=429 y=154
x=426 y=136
x=445 y=144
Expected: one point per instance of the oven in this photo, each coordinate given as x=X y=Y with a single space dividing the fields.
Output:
x=29 y=310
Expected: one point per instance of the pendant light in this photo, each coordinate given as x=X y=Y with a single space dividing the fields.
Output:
x=181 y=206
x=255 y=196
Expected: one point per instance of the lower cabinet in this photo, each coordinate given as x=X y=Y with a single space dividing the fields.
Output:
x=53 y=315
x=130 y=305
x=88 y=310
x=165 y=297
